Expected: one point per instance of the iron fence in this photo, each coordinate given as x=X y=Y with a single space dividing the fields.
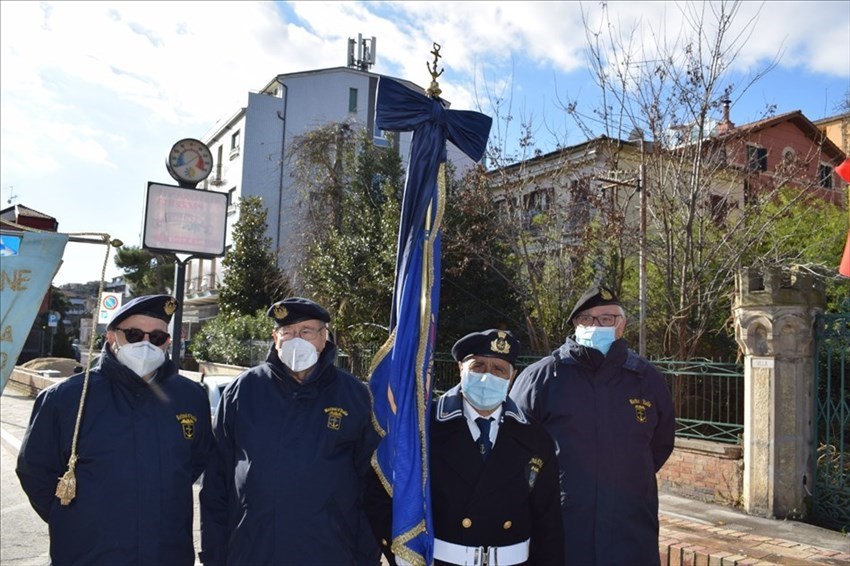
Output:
x=708 y=395
x=831 y=488
x=709 y=398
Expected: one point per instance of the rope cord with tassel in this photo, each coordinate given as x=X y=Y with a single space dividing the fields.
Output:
x=66 y=489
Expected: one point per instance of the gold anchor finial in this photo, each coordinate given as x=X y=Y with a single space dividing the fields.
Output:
x=434 y=90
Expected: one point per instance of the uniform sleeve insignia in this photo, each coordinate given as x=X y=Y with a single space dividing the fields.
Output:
x=335 y=415
x=170 y=306
x=280 y=312
x=640 y=406
x=500 y=345
x=534 y=467
x=187 y=421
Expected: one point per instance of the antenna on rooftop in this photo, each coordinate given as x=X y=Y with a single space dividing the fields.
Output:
x=12 y=196
x=361 y=52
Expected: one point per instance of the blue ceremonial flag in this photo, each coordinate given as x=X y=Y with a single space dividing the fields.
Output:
x=29 y=262
x=400 y=380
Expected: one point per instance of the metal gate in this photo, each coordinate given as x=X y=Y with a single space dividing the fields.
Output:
x=831 y=489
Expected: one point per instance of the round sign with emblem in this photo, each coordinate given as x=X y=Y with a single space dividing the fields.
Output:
x=190 y=161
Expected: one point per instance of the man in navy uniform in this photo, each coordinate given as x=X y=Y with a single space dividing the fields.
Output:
x=494 y=474
x=611 y=415
x=144 y=438
x=294 y=439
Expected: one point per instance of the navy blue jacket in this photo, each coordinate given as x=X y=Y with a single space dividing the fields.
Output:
x=286 y=484
x=140 y=447
x=511 y=497
x=613 y=422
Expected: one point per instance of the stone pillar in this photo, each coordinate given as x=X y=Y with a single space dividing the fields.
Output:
x=774 y=326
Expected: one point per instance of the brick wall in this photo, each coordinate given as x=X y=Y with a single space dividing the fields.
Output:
x=711 y=472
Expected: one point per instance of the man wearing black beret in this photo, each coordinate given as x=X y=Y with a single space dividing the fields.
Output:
x=494 y=475
x=294 y=439
x=611 y=414
x=144 y=437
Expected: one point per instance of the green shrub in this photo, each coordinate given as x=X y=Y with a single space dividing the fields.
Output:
x=240 y=340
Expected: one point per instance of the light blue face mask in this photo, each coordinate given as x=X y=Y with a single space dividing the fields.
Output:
x=596 y=337
x=484 y=391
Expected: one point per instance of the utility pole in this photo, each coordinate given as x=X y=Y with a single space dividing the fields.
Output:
x=641 y=187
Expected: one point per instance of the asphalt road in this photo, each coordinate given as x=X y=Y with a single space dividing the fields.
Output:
x=23 y=535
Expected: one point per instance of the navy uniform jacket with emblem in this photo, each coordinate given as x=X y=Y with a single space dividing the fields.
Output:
x=507 y=499
x=612 y=419
x=140 y=448
x=286 y=484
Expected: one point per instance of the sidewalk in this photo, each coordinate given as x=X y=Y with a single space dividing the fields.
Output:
x=698 y=534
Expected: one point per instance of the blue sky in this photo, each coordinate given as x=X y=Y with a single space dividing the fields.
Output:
x=93 y=94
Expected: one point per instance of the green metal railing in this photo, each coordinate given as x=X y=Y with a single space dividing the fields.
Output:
x=709 y=398
x=831 y=486
x=708 y=395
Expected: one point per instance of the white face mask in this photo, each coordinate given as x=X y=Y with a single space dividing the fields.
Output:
x=142 y=357
x=484 y=391
x=598 y=337
x=298 y=354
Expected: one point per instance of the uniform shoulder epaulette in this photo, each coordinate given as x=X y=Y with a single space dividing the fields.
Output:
x=635 y=363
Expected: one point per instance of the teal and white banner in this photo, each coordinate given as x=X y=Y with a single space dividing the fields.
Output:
x=28 y=262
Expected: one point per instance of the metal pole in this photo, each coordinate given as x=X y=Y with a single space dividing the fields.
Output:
x=641 y=184
x=177 y=320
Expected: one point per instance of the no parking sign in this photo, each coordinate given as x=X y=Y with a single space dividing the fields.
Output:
x=109 y=305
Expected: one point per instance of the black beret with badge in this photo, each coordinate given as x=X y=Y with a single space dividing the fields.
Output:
x=155 y=306
x=295 y=309
x=492 y=343
x=594 y=297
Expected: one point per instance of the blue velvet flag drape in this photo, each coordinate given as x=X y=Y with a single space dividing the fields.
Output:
x=401 y=378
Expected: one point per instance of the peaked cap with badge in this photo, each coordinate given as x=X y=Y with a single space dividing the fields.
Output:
x=493 y=343
x=594 y=297
x=295 y=309
x=155 y=306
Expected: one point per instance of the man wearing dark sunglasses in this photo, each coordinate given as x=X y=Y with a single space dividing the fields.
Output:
x=294 y=440
x=136 y=436
x=611 y=415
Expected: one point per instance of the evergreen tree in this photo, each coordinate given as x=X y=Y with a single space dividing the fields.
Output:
x=146 y=273
x=252 y=281
x=355 y=187
x=478 y=269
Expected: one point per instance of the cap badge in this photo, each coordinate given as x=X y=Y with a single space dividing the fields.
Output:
x=500 y=345
x=280 y=312
x=606 y=296
x=170 y=306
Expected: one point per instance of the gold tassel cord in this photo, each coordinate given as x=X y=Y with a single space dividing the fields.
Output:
x=66 y=490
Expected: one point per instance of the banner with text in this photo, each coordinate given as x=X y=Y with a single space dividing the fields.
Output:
x=29 y=262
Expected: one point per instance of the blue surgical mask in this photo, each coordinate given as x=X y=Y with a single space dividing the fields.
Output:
x=596 y=337
x=484 y=391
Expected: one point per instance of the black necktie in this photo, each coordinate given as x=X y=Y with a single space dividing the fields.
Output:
x=484 y=444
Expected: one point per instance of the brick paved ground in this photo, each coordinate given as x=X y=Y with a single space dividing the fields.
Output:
x=690 y=543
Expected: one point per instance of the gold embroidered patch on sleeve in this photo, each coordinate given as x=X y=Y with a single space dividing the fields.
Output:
x=335 y=415
x=187 y=421
x=640 y=406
